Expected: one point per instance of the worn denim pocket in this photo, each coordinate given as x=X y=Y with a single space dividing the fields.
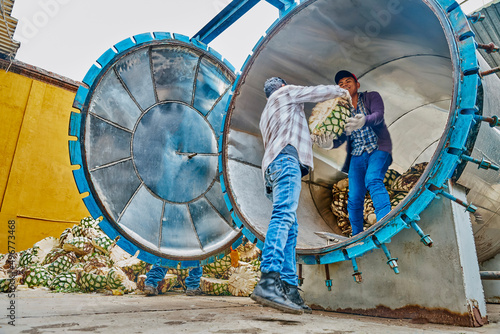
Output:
x=274 y=170
x=271 y=174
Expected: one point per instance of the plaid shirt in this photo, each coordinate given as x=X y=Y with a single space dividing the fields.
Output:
x=363 y=139
x=283 y=121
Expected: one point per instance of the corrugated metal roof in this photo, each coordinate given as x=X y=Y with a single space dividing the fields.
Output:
x=488 y=31
x=8 y=46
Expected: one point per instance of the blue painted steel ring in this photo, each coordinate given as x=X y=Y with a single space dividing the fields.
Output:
x=77 y=121
x=442 y=166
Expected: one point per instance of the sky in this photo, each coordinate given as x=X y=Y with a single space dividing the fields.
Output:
x=67 y=36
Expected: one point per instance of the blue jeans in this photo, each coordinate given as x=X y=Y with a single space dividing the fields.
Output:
x=366 y=172
x=157 y=273
x=284 y=177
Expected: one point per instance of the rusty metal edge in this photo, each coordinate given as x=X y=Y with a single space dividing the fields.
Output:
x=39 y=74
x=418 y=314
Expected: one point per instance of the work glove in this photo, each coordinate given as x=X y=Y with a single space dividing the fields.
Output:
x=325 y=141
x=354 y=123
x=347 y=96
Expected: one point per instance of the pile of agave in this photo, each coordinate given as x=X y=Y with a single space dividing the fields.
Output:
x=83 y=259
x=398 y=185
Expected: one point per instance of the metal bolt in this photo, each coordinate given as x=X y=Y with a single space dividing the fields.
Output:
x=484 y=164
x=490 y=275
x=468 y=207
x=394 y=265
x=300 y=278
x=392 y=262
x=489 y=48
x=357 y=274
x=426 y=240
x=357 y=277
x=476 y=17
x=493 y=70
x=328 y=281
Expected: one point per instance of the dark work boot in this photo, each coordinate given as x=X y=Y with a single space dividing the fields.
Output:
x=292 y=292
x=269 y=292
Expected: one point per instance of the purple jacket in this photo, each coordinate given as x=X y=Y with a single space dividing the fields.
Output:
x=375 y=119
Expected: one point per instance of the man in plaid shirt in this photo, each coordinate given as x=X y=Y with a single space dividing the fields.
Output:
x=369 y=149
x=287 y=158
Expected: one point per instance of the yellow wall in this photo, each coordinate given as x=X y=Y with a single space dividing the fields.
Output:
x=37 y=188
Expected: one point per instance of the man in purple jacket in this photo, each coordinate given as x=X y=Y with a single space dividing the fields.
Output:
x=369 y=149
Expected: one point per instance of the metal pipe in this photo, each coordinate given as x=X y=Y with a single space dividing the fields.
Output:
x=489 y=48
x=488 y=72
x=490 y=275
x=230 y=14
x=493 y=120
x=468 y=207
x=481 y=163
x=476 y=17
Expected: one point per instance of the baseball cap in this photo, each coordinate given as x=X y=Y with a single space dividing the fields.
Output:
x=344 y=74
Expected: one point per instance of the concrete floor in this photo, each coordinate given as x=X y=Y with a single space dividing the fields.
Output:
x=39 y=311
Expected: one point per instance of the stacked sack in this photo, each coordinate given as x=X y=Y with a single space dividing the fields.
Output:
x=397 y=185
